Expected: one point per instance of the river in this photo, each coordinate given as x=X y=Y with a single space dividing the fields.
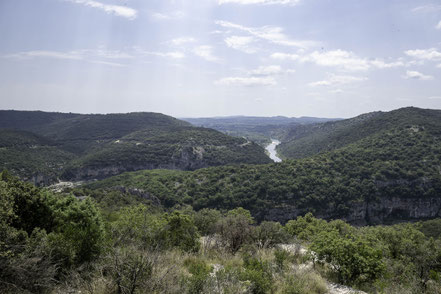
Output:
x=271 y=148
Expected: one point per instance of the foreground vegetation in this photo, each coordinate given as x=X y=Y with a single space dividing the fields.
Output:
x=54 y=243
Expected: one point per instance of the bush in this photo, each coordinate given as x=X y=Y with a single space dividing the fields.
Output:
x=306 y=283
x=352 y=258
x=259 y=273
x=269 y=234
x=181 y=232
x=281 y=256
x=200 y=272
x=235 y=229
x=206 y=219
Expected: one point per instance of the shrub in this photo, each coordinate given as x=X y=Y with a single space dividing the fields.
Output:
x=269 y=234
x=259 y=273
x=306 y=283
x=181 y=232
x=200 y=272
x=352 y=258
x=235 y=229
x=281 y=256
x=205 y=220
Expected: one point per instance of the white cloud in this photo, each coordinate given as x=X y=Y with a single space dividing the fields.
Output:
x=266 y=71
x=246 y=81
x=424 y=54
x=336 y=91
x=45 y=54
x=427 y=8
x=167 y=16
x=334 y=80
x=182 y=40
x=98 y=56
x=378 y=63
x=263 y=2
x=103 y=53
x=118 y=10
x=338 y=58
x=285 y=56
x=410 y=74
x=241 y=43
x=83 y=55
x=206 y=52
x=173 y=54
x=115 y=64
x=269 y=33
x=75 y=54
x=434 y=98
x=438 y=26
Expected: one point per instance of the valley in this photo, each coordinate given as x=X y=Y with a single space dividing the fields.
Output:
x=145 y=187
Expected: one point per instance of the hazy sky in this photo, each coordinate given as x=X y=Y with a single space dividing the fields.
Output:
x=193 y=58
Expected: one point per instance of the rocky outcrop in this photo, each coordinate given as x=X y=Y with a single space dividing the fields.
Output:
x=41 y=180
x=383 y=210
x=387 y=210
x=190 y=158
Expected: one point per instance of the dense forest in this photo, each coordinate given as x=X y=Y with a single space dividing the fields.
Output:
x=389 y=176
x=57 y=243
x=42 y=147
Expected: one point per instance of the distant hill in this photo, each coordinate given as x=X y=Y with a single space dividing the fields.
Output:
x=255 y=128
x=77 y=146
x=304 y=141
x=383 y=167
x=34 y=158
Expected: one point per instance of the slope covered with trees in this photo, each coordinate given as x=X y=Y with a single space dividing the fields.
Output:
x=389 y=176
x=307 y=140
x=43 y=146
x=57 y=243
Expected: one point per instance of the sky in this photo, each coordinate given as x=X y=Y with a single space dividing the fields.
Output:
x=202 y=58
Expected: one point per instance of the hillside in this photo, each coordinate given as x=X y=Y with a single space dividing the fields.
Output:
x=182 y=148
x=388 y=176
x=32 y=157
x=255 y=128
x=307 y=140
x=77 y=147
x=57 y=243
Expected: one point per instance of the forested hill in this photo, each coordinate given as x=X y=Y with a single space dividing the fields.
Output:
x=390 y=175
x=41 y=147
x=255 y=128
x=306 y=140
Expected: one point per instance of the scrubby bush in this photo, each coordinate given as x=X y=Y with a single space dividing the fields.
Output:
x=235 y=229
x=353 y=259
x=181 y=232
x=206 y=219
x=43 y=235
x=259 y=273
x=269 y=234
x=304 y=283
x=200 y=272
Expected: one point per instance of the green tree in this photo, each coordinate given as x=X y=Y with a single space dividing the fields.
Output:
x=235 y=229
x=352 y=258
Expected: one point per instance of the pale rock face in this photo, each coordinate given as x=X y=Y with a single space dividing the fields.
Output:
x=381 y=211
x=188 y=159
